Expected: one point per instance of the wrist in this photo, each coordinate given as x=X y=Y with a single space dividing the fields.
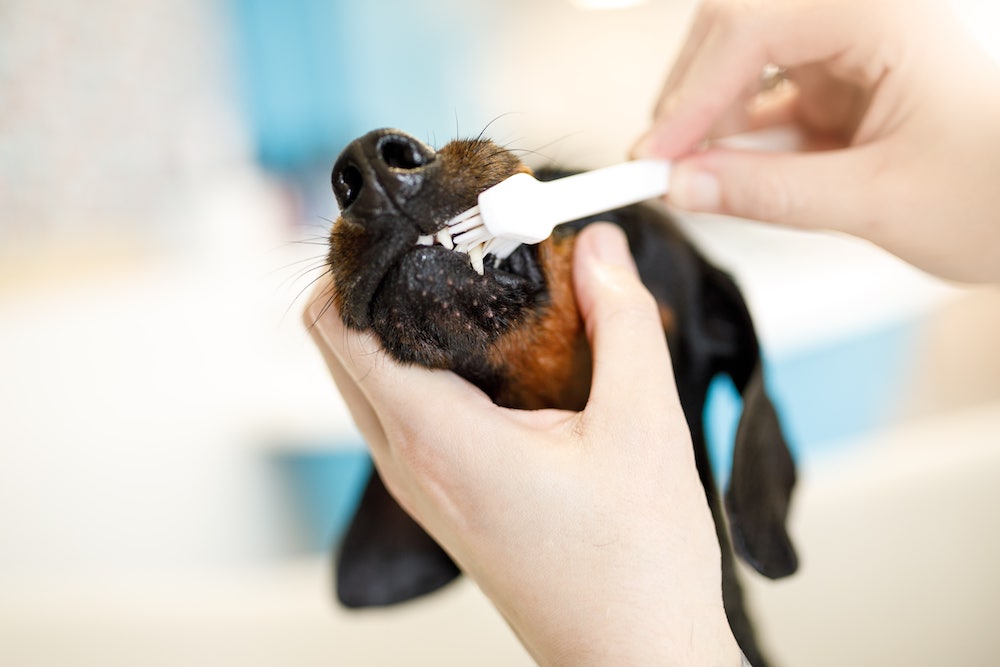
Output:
x=634 y=641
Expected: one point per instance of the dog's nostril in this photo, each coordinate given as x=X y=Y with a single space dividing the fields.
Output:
x=403 y=153
x=383 y=165
x=347 y=185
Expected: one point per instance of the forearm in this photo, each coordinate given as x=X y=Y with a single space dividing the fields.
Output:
x=637 y=635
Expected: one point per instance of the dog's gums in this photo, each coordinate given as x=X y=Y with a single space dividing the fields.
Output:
x=512 y=328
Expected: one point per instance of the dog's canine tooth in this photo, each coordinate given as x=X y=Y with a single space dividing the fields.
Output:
x=444 y=238
x=476 y=257
x=425 y=240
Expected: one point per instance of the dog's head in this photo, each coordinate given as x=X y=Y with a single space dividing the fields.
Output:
x=514 y=331
x=426 y=303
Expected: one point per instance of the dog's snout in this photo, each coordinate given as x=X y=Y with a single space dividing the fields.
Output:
x=382 y=164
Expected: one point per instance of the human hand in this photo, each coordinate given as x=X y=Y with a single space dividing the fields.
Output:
x=901 y=102
x=589 y=531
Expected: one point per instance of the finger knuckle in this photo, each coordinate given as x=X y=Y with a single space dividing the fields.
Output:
x=767 y=197
x=732 y=14
x=638 y=306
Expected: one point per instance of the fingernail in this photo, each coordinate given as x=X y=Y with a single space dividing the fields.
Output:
x=609 y=245
x=694 y=189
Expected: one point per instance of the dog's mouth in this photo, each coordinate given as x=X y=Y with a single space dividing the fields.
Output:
x=443 y=238
x=394 y=266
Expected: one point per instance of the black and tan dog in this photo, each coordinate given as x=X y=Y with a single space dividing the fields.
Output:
x=515 y=332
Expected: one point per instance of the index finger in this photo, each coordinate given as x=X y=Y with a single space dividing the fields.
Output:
x=733 y=43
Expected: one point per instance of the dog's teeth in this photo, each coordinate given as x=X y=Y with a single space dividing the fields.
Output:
x=476 y=257
x=444 y=238
x=476 y=251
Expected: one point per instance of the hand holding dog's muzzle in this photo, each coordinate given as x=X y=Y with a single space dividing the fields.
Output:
x=568 y=521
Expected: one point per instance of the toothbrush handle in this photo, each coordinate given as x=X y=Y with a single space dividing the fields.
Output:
x=605 y=189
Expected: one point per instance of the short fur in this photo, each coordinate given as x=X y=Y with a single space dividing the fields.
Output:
x=516 y=333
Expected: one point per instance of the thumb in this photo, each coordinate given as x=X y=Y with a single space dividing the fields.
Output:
x=623 y=325
x=818 y=189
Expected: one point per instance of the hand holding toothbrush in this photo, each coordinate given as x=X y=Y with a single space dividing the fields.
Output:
x=899 y=97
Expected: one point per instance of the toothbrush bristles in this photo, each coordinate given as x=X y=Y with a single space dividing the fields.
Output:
x=473 y=236
x=466 y=233
x=465 y=221
x=465 y=215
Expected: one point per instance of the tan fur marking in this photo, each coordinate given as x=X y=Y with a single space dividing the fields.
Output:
x=546 y=360
x=667 y=318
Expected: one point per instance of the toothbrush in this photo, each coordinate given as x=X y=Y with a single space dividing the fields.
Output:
x=521 y=209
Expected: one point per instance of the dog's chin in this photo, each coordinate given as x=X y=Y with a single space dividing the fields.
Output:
x=432 y=308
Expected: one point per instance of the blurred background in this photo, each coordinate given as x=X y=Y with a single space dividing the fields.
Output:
x=176 y=466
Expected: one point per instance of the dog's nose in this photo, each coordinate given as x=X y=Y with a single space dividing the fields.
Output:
x=381 y=166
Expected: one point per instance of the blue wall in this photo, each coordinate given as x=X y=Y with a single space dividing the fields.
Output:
x=316 y=74
x=826 y=397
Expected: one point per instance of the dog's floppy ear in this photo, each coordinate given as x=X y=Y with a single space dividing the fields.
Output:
x=763 y=472
x=385 y=556
x=760 y=486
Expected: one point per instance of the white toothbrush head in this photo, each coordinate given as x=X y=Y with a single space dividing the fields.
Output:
x=521 y=209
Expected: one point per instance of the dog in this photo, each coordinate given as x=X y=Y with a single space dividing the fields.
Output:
x=515 y=332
